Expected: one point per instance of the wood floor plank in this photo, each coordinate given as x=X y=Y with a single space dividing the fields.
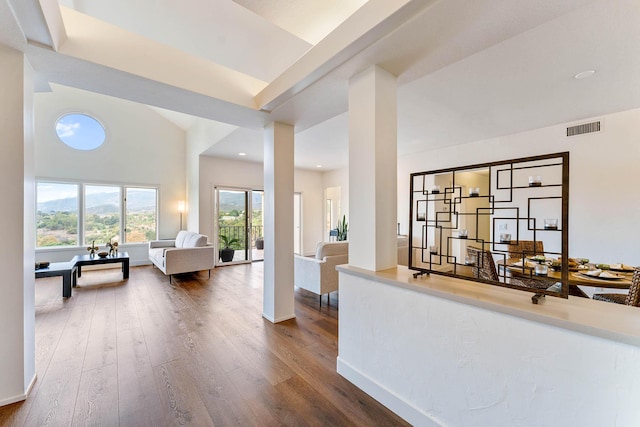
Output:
x=318 y=410
x=248 y=342
x=13 y=415
x=97 y=401
x=101 y=345
x=266 y=403
x=180 y=398
x=56 y=397
x=126 y=311
x=226 y=354
x=224 y=403
x=143 y=352
x=138 y=395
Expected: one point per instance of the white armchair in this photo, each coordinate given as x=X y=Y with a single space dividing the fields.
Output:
x=188 y=252
x=318 y=274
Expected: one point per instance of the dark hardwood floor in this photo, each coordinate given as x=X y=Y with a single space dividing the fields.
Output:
x=143 y=352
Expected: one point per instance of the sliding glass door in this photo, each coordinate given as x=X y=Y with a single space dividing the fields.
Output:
x=232 y=222
x=238 y=222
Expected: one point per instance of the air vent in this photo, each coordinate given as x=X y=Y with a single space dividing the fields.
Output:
x=584 y=128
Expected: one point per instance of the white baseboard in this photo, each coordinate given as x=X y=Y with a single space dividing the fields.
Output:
x=388 y=398
x=280 y=319
x=20 y=397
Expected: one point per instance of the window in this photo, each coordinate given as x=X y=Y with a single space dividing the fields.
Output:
x=141 y=214
x=80 y=131
x=123 y=213
x=56 y=214
x=101 y=213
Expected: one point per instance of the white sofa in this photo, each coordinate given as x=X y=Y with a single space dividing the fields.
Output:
x=318 y=274
x=186 y=253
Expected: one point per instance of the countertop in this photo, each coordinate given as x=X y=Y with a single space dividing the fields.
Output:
x=606 y=320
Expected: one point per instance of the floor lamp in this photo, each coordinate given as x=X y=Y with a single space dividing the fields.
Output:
x=181 y=210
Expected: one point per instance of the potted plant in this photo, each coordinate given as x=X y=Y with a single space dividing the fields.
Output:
x=226 y=251
x=259 y=242
x=342 y=229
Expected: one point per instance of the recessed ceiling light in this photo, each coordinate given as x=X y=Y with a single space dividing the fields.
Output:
x=584 y=74
x=242 y=154
x=318 y=166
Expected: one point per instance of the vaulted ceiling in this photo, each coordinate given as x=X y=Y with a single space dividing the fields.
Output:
x=466 y=70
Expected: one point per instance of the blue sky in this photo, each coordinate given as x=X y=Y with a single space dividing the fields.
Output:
x=80 y=131
x=54 y=191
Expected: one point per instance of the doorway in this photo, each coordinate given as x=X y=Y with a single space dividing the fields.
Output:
x=238 y=221
x=332 y=212
x=233 y=225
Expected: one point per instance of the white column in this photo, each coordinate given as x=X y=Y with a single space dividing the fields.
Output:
x=278 y=304
x=372 y=170
x=17 y=313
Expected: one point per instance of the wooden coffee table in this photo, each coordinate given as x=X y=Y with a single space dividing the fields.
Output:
x=65 y=269
x=120 y=257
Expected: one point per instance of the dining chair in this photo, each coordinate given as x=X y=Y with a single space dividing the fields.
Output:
x=632 y=298
x=530 y=283
x=526 y=248
x=523 y=249
x=485 y=267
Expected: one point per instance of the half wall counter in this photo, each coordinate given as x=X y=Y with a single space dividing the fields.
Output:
x=439 y=350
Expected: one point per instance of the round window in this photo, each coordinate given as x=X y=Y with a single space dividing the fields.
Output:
x=80 y=131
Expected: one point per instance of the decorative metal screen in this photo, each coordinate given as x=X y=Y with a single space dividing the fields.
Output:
x=504 y=223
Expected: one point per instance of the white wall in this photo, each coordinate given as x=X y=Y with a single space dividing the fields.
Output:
x=200 y=136
x=604 y=176
x=17 y=354
x=232 y=173
x=29 y=230
x=141 y=148
x=309 y=184
x=435 y=361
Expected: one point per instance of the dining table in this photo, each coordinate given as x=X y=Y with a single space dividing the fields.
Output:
x=577 y=277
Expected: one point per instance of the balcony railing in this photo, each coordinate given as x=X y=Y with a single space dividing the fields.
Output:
x=239 y=232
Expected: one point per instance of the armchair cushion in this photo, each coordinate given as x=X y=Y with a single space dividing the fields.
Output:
x=325 y=249
x=180 y=238
x=195 y=241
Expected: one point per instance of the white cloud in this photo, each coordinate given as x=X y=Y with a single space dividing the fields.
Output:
x=66 y=130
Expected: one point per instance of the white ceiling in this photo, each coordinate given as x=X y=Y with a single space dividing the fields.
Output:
x=466 y=70
x=326 y=145
x=220 y=31
x=311 y=20
x=522 y=83
x=527 y=81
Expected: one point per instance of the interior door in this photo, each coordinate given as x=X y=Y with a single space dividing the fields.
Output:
x=232 y=223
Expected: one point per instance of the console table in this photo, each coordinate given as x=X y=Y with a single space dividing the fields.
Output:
x=65 y=269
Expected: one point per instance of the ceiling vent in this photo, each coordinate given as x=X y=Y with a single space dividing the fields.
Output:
x=583 y=128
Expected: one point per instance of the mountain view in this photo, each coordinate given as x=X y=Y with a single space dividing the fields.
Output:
x=57 y=220
x=102 y=203
x=230 y=201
